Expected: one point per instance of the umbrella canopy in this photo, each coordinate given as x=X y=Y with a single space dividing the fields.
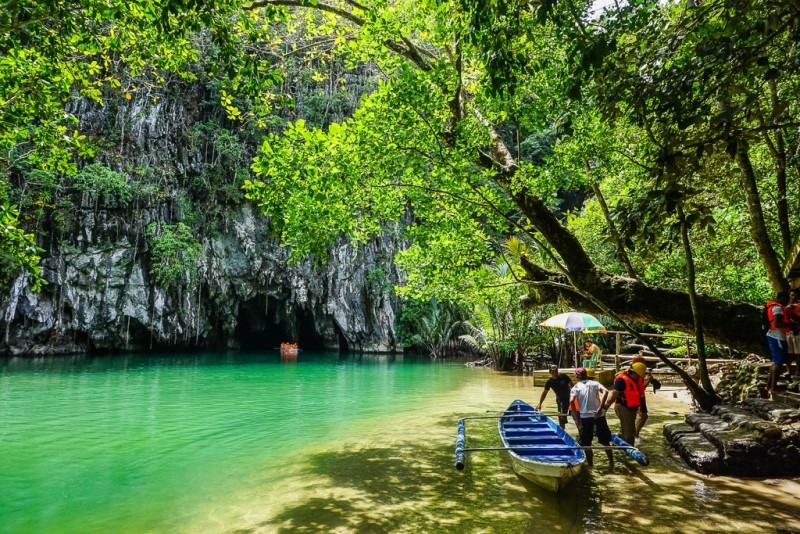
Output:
x=574 y=322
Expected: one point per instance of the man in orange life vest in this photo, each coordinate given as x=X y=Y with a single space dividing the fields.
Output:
x=776 y=336
x=628 y=394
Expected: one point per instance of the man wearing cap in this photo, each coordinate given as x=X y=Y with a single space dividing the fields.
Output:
x=560 y=384
x=628 y=394
x=590 y=397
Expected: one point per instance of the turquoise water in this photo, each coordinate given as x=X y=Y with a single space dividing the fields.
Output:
x=320 y=443
x=143 y=443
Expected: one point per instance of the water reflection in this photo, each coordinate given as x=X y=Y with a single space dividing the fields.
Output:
x=128 y=362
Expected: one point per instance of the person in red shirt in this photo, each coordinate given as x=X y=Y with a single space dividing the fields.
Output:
x=776 y=336
x=793 y=336
x=642 y=416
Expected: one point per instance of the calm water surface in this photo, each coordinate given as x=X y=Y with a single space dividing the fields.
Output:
x=321 y=443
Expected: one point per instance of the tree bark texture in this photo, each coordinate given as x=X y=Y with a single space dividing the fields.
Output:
x=612 y=228
x=758 y=228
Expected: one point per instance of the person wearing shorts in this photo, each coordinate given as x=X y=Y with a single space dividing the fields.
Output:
x=561 y=385
x=792 y=310
x=589 y=397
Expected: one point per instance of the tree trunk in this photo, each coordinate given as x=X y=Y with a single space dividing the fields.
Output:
x=778 y=149
x=732 y=324
x=758 y=228
x=691 y=287
x=612 y=228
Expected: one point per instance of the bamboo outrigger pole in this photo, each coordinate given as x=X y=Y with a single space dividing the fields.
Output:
x=462 y=449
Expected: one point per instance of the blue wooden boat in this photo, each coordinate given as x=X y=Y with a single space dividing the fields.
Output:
x=538 y=448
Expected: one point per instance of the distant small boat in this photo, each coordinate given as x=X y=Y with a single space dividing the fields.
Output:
x=538 y=448
x=289 y=348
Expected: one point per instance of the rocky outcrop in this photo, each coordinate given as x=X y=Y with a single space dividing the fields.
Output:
x=102 y=298
x=101 y=295
x=759 y=437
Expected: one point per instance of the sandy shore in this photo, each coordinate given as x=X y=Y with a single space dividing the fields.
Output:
x=671 y=394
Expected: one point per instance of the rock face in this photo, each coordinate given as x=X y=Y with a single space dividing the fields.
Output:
x=101 y=295
x=102 y=298
x=758 y=438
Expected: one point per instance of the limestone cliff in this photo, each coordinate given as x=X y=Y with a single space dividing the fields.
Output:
x=102 y=296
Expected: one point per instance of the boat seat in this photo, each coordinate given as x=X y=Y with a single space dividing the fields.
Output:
x=533 y=437
x=543 y=440
x=516 y=416
x=558 y=458
x=530 y=431
x=526 y=422
x=543 y=450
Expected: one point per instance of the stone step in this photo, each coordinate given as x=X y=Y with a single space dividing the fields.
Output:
x=787 y=397
x=757 y=440
x=693 y=447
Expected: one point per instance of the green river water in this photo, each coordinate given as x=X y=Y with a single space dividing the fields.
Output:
x=320 y=443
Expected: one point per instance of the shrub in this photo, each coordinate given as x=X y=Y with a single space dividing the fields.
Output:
x=173 y=253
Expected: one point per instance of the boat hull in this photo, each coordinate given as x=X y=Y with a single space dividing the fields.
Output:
x=538 y=449
x=549 y=477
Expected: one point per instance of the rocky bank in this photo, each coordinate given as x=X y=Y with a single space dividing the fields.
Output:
x=750 y=436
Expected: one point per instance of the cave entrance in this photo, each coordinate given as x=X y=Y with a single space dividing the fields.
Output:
x=307 y=336
x=342 y=341
x=265 y=322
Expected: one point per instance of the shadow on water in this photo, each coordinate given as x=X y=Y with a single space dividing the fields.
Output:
x=413 y=487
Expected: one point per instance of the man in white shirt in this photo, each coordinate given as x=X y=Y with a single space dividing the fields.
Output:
x=588 y=398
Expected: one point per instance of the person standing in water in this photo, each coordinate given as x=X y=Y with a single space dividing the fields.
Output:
x=642 y=416
x=561 y=384
x=590 y=397
x=627 y=394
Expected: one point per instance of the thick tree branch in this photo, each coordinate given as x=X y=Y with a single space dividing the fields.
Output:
x=731 y=324
x=622 y=254
x=407 y=49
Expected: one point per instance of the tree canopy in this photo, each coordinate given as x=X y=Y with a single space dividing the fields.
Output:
x=685 y=107
x=630 y=148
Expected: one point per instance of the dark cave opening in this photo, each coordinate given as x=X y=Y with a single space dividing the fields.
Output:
x=264 y=323
x=307 y=336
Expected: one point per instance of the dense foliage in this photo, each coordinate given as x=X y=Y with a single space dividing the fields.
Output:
x=645 y=155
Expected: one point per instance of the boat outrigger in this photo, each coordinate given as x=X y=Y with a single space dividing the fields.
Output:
x=539 y=449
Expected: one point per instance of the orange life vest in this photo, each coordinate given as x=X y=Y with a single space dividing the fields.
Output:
x=771 y=316
x=633 y=393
